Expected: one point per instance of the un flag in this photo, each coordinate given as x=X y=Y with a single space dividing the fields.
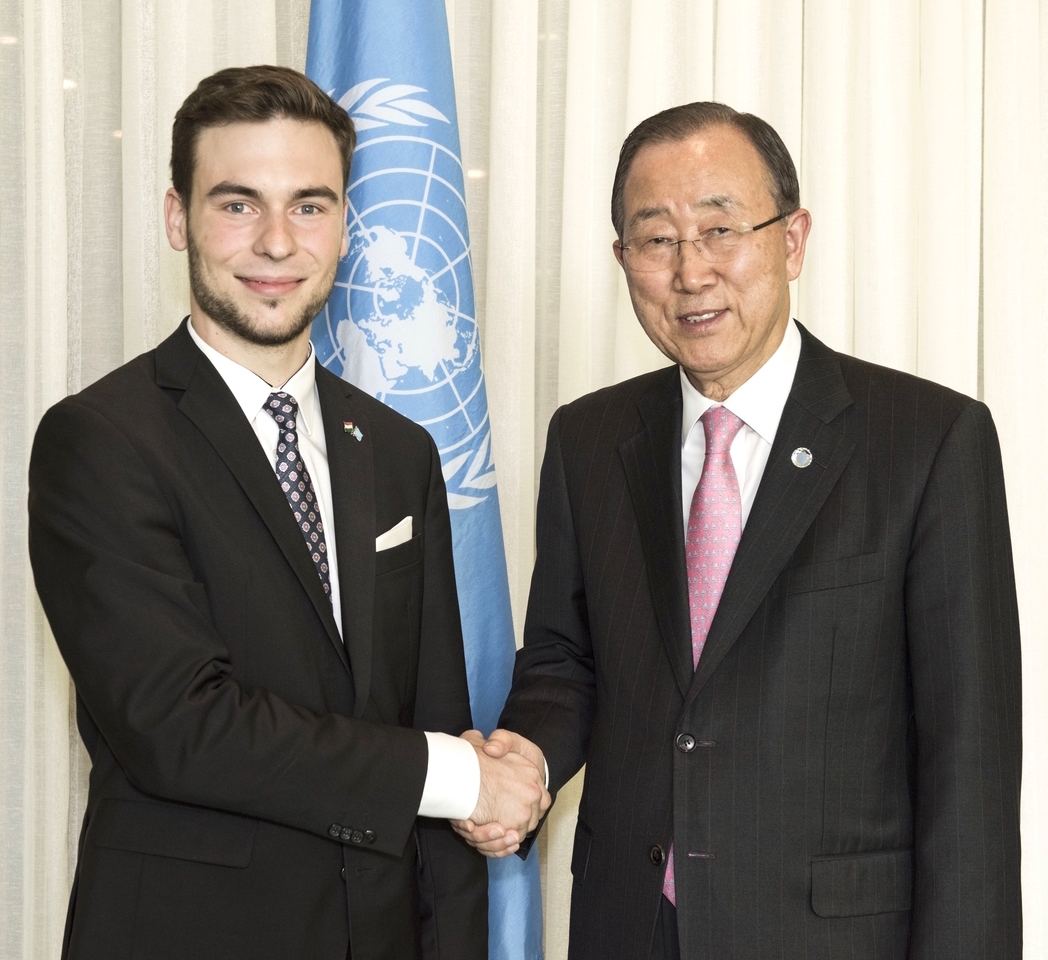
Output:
x=401 y=324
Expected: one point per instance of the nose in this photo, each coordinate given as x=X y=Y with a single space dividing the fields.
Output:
x=693 y=270
x=276 y=237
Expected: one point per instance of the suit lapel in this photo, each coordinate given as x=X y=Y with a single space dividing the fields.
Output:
x=208 y=403
x=788 y=497
x=352 y=466
x=651 y=459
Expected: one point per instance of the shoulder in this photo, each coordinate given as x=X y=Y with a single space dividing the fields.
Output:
x=911 y=409
x=882 y=397
x=622 y=402
x=126 y=399
x=887 y=382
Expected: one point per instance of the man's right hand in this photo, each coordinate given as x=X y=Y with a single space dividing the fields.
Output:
x=513 y=796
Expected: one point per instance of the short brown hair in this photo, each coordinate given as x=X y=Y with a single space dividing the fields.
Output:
x=679 y=123
x=252 y=95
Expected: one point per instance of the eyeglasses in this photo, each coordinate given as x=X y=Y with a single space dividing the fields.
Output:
x=715 y=245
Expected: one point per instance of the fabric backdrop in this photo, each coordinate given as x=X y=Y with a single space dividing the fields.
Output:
x=920 y=128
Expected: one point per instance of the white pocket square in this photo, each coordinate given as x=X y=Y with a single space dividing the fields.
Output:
x=394 y=536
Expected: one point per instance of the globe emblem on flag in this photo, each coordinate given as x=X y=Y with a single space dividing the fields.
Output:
x=400 y=322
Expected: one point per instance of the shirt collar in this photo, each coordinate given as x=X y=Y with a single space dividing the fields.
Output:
x=759 y=401
x=251 y=392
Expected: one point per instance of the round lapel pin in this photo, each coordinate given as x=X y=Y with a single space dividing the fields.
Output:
x=801 y=457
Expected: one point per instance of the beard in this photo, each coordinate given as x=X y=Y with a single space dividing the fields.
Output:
x=228 y=315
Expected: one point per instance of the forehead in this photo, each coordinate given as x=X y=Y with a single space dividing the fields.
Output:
x=715 y=168
x=280 y=153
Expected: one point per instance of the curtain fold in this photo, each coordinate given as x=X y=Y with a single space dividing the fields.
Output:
x=921 y=134
x=509 y=326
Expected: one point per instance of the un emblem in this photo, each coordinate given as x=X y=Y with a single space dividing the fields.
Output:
x=400 y=322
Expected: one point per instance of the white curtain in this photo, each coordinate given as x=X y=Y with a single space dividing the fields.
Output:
x=920 y=128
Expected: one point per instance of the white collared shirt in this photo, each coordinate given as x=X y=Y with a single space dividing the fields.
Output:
x=251 y=392
x=453 y=772
x=758 y=403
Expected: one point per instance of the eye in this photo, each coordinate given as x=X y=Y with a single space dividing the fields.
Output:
x=658 y=242
x=309 y=209
x=717 y=232
x=237 y=206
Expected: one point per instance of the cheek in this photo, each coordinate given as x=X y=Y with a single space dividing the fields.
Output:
x=218 y=243
x=649 y=295
x=755 y=286
x=323 y=240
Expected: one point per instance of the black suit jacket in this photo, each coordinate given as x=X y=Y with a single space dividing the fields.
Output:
x=255 y=780
x=840 y=775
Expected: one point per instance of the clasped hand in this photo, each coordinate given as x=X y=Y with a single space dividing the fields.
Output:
x=513 y=795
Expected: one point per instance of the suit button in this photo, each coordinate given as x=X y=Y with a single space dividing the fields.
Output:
x=357 y=837
x=685 y=743
x=345 y=834
x=369 y=836
x=335 y=830
x=656 y=854
x=343 y=873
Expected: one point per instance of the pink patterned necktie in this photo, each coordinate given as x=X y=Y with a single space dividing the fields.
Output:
x=714 y=529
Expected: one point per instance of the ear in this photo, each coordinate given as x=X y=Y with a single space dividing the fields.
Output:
x=616 y=248
x=797 y=229
x=176 y=220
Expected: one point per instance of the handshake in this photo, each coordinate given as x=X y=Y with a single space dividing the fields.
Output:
x=513 y=795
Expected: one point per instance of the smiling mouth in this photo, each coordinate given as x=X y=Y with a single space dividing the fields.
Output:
x=699 y=318
x=270 y=286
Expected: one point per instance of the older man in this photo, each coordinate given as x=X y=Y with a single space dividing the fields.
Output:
x=773 y=609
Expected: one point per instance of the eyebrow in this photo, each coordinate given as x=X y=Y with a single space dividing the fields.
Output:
x=720 y=201
x=227 y=189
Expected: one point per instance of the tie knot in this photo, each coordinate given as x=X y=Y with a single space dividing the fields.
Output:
x=283 y=408
x=720 y=426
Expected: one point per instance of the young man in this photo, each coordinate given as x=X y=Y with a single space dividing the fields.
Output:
x=247 y=566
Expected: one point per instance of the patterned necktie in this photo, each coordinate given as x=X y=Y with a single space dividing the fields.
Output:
x=295 y=482
x=714 y=529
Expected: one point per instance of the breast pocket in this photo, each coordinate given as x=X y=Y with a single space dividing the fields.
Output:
x=396 y=558
x=831 y=574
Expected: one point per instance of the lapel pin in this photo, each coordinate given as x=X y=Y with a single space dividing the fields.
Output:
x=348 y=426
x=801 y=457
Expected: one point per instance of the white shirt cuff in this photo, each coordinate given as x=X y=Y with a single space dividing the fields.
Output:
x=452 y=778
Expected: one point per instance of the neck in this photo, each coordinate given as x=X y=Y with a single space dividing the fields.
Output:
x=276 y=364
x=722 y=386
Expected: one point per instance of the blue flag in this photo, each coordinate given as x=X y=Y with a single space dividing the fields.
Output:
x=401 y=324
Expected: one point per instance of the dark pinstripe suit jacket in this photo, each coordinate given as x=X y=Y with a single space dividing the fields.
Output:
x=840 y=775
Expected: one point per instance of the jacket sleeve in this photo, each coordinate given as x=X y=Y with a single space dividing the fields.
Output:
x=553 y=698
x=963 y=633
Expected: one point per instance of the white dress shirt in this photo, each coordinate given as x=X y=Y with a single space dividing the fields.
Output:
x=453 y=772
x=758 y=404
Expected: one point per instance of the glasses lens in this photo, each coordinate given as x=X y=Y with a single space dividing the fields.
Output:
x=720 y=243
x=651 y=253
x=714 y=244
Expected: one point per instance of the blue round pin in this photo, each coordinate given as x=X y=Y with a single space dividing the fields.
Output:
x=801 y=457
